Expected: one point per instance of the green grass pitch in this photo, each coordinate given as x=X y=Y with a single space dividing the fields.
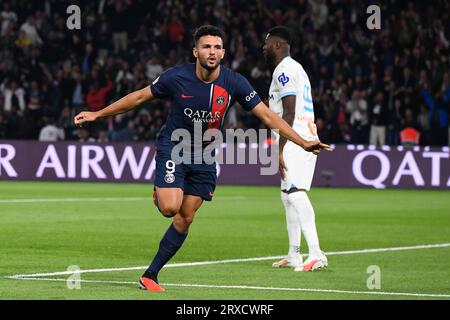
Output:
x=103 y=226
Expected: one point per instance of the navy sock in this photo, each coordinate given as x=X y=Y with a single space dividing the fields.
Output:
x=169 y=245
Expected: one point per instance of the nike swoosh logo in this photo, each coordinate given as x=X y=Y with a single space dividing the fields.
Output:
x=186 y=96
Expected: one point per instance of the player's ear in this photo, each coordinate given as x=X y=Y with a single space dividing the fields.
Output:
x=195 y=52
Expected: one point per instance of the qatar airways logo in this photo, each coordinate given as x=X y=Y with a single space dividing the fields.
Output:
x=202 y=115
x=408 y=168
x=71 y=161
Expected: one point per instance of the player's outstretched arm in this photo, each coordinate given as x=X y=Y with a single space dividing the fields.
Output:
x=273 y=121
x=127 y=103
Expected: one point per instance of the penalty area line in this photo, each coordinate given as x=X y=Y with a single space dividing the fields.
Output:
x=202 y=263
x=258 y=288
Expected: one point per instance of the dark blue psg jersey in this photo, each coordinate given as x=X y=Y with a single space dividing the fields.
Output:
x=195 y=101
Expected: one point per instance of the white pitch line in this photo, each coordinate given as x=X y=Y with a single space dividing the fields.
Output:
x=382 y=293
x=44 y=200
x=190 y=264
x=424 y=246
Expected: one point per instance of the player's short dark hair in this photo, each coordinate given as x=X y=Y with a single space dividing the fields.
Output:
x=281 y=32
x=208 y=30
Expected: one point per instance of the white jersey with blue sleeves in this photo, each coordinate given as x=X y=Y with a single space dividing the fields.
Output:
x=289 y=78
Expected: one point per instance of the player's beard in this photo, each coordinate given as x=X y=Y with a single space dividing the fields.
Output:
x=269 y=57
x=204 y=64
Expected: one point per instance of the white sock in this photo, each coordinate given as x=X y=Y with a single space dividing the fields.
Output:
x=293 y=227
x=300 y=201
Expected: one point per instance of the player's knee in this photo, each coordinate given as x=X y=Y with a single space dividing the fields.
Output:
x=168 y=210
x=183 y=223
x=188 y=220
x=168 y=214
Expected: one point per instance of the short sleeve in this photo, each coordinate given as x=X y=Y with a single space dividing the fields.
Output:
x=286 y=82
x=245 y=94
x=161 y=86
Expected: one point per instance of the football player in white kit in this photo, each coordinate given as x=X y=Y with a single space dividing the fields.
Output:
x=290 y=97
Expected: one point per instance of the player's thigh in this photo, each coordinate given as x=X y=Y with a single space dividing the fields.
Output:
x=300 y=166
x=169 y=183
x=190 y=206
x=169 y=199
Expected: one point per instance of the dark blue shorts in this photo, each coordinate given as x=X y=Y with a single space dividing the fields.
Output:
x=193 y=179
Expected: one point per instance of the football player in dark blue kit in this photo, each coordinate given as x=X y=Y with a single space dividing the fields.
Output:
x=200 y=92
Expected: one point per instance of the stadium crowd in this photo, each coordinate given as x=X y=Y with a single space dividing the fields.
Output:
x=367 y=85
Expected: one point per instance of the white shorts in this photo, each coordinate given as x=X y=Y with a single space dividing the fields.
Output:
x=300 y=166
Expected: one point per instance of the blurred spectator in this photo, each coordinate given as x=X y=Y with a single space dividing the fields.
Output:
x=14 y=96
x=153 y=68
x=119 y=20
x=175 y=30
x=329 y=119
x=83 y=135
x=31 y=32
x=12 y=121
x=88 y=59
x=378 y=120
x=7 y=17
x=96 y=96
x=394 y=123
x=102 y=136
x=342 y=119
x=319 y=13
x=51 y=132
x=123 y=76
x=423 y=123
x=34 y=100
x=438 y=114
x=65 y=121
x=143 y=124
x=78 y=92
x=128 y=133
x=359 y=119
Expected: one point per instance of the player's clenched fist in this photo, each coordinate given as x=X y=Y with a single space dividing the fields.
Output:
x=84 y=117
